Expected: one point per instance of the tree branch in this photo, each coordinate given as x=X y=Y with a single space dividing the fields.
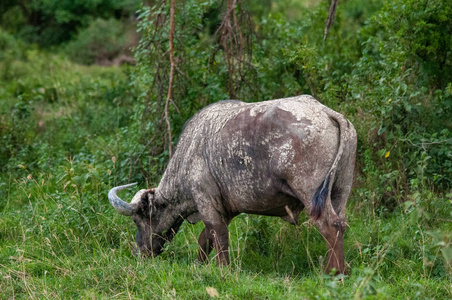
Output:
x=331 y=16
x=171 y=77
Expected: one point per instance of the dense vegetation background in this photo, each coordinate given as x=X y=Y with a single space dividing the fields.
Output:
x=78 y=115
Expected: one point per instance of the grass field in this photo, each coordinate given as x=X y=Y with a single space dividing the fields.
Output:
x=66 y=138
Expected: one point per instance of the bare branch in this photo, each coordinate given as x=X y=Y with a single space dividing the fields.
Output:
x=331 y=15
x=171 y=77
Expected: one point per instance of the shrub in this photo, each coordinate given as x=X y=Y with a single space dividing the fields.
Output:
x=49 y=23
x=403 y=83
x=100 y=42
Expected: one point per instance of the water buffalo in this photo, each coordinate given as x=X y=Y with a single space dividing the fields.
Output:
x=270 y=158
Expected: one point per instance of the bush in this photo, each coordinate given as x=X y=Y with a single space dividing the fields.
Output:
x=99 y=43
x=10 y=49
x=49 y=23
x=403 y=83
x=58 y=112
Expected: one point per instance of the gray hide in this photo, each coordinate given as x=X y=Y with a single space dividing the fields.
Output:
x=269 y=158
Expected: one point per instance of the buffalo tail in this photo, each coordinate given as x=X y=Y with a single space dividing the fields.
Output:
x=318 y=202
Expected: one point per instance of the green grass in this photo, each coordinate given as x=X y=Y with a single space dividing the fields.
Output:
x=60 y=238
x=54 y=247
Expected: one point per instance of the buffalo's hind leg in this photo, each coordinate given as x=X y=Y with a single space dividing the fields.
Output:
x=335 y=224
x=205 y=243
x=332 y=223
x=333 y=233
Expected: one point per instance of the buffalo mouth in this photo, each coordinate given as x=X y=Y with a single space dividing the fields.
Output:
x=155 y=247
x=149 y=249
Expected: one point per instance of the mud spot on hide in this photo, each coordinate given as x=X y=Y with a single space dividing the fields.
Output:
x=241 y=162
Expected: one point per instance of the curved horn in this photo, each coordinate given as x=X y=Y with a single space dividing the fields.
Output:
x=121 y=206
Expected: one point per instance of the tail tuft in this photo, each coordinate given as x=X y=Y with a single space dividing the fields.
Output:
x=318 y=201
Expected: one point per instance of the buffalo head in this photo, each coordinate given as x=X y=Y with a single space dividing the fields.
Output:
x=154 y=221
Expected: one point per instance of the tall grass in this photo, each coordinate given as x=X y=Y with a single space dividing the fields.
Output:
x=53 y=246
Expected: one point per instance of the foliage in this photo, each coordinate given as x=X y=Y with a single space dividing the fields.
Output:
x=56 y=114
x=101 y=41
x=10 y=47
x=403 y=81
x=52 y=22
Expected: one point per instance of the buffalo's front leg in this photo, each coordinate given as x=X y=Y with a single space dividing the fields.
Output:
x=220 y=236
x=333 y=233
x=205 y=243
